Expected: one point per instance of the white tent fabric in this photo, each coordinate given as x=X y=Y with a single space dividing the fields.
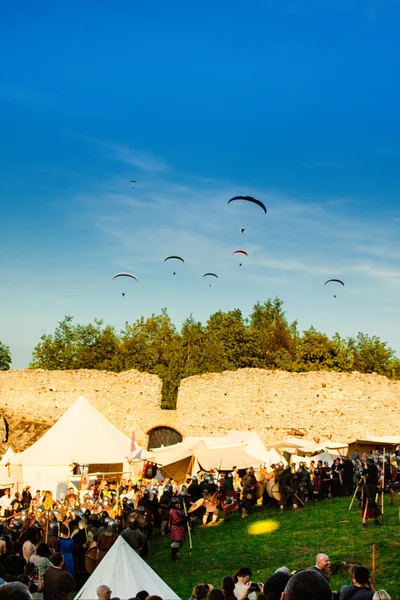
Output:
x=82 y=436
x=306 y=446
x=329 y=457
x=237 y=448
x=126 y=573
x=7 y=456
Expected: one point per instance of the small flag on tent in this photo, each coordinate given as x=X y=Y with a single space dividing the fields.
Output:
x=84 y=479
x=133 y=445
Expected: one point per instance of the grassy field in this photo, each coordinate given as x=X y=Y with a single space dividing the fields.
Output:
x=292 y=539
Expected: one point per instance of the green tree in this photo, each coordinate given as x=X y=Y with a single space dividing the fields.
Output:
x=371 y=355
x=316 y=351
x=270 y=334
x=76 y=347
x=230 y=331
x=5 y=357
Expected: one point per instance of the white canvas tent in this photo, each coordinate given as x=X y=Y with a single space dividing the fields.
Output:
x=237 y=448
x=126 y=573
x=82 y=436
x=301 y=446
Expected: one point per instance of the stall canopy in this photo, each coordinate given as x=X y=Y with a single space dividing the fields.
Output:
x=125 y=573
x=301 y=446
x=5 y=480
x=82 y=436
x=238 y=448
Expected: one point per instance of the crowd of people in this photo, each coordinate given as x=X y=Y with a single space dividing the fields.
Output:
x=45 y=542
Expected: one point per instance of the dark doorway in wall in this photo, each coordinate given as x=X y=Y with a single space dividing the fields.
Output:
x=163 y=436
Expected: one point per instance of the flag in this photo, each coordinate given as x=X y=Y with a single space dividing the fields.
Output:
x=133 y=445
x=84 y=479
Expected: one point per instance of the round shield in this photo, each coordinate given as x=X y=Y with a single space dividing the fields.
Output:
x=90 y=558
x=273 y=489
x=196 y=505
x=259 y=490
x=230 y=501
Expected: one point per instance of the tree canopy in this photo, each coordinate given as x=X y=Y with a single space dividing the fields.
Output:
x=228 y=341
x=5 y=357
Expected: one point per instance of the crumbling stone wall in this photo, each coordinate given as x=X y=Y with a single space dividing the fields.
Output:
x=273 y=403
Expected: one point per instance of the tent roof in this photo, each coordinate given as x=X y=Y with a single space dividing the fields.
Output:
x=236 y=448
x=126 y=573
x=82 y=435
x=391 y=440
x=306 y=446
x=7 y=456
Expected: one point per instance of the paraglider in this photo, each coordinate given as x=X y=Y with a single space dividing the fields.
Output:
x=334 y=281
x=133 y=181
x=175 y=258
x=210 y=275
x=242 y=230
x=126 y=275
x=123 y=295
x=249 y=199
x=240 y=252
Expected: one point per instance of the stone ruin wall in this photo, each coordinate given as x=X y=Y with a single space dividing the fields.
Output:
x=273 y=403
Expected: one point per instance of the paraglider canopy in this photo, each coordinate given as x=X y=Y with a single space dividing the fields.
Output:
x=210 y=275
x=240 y=252
x=126 y=275
x=176 y=257
x=249 y=199
x=336 y=280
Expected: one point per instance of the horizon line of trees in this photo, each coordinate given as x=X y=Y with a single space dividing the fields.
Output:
x=228 y=341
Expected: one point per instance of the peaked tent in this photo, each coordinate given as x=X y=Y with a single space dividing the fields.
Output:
x=237 y=448
x=126 y=573
x=5 y=480
x=82 y=436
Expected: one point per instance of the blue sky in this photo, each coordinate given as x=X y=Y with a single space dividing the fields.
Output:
x=294 y=102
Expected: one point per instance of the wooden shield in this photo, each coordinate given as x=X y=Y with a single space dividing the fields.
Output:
x=196 y=505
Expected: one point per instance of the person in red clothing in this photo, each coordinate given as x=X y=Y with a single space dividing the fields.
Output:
x=177 y=522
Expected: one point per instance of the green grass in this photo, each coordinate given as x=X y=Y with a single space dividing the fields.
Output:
x=321 y=527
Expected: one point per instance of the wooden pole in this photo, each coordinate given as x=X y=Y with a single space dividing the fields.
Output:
x=188 y=526
x=383 y=485
x=373 y=576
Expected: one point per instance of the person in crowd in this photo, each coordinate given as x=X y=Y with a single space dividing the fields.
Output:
x=177 y=528
x=215 y=594
x=200 y=591
x=249 y=490
x=15 y=562
x=286 y=488
x=135 y=538
x=58 y=583
x=29 y=546
x=369 y=507
x=275 y=584
x=26 y=497
x=103 y=592
x=42 y=562
x=242 y=578
x=106 y=540
x=66 y=548
x=322 y=565
x=307 y=585
x=361 y=587
x=15 y=591
x=228 y=587
x=5 y=502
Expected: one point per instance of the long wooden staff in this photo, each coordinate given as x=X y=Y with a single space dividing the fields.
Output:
x=188 y=526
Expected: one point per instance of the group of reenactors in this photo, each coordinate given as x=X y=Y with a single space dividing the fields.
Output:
x=93 y=519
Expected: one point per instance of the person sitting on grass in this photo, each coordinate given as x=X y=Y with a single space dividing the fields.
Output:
x=361 y=588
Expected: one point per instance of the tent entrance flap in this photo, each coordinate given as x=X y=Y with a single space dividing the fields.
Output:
x=104 y=468
x=177 y=470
